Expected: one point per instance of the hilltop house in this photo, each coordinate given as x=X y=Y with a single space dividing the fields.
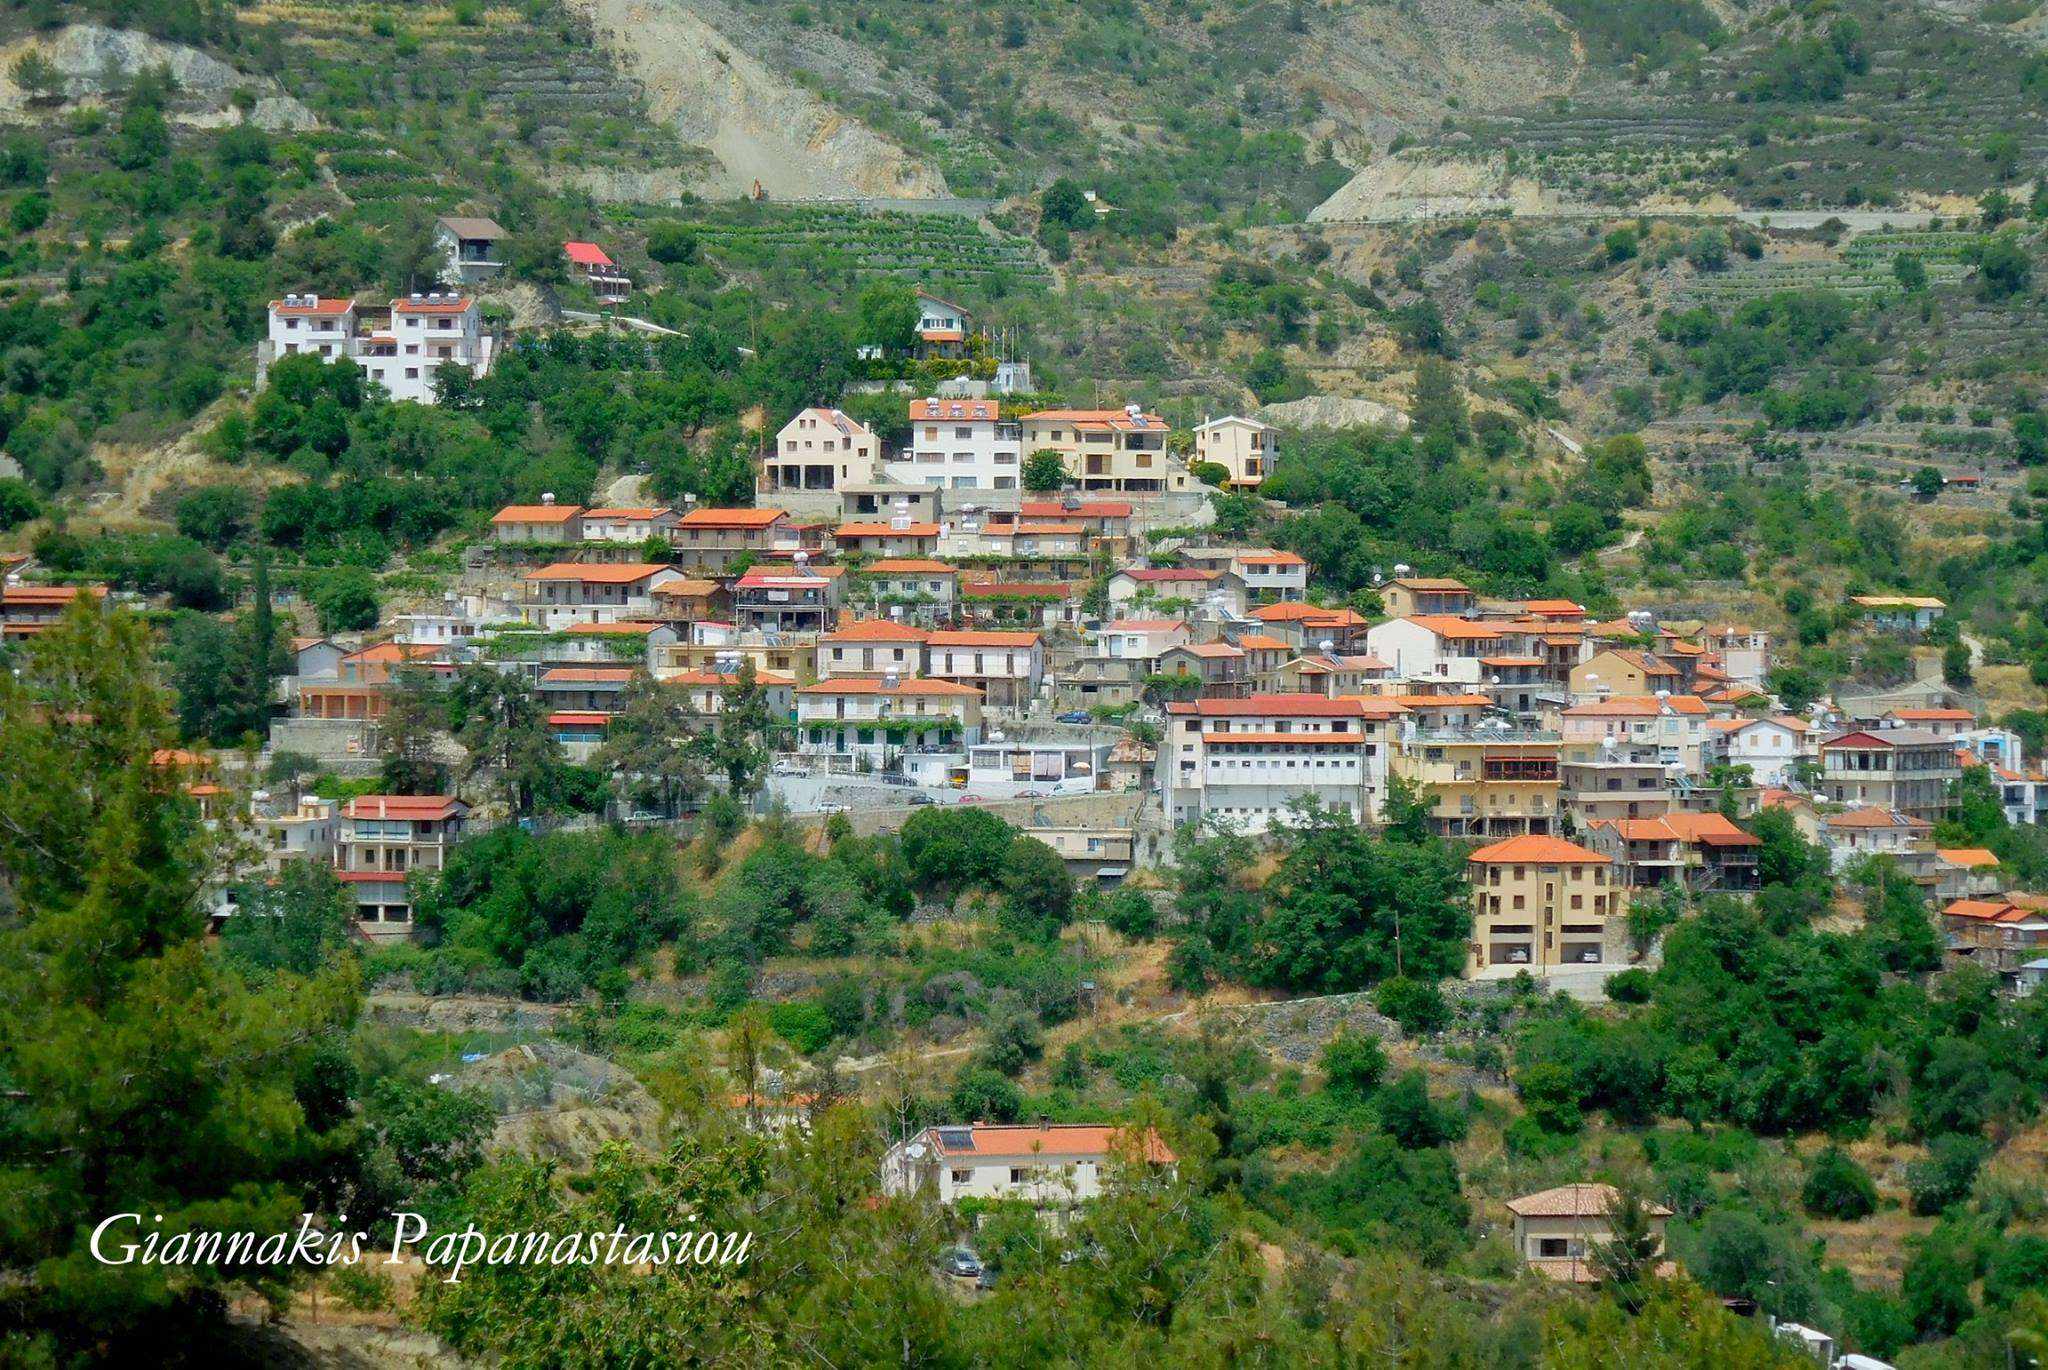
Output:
x=402 y=350
x=469 y=248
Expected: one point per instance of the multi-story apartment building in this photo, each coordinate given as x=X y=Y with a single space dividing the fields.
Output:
x=960 y=445
x=1007 y=667
x=881 y=721
x=821 y=450
x=1246 y=448
x=1245 y=762
x=1108 y=449
x=1907 y=769
x=383 y=838
x=1612 y=778
x=423 y=334
x=1539 y=903
x=1490 y=779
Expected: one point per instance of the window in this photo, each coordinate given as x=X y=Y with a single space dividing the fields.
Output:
x=963 y=1176
x=1018 y=1174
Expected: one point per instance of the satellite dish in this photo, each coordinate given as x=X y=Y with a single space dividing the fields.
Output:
x=1608 y=744
x=915 y=1151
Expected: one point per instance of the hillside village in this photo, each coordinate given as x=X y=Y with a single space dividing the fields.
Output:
x=1243 y=683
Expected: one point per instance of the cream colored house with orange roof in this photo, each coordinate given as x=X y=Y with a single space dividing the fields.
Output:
x=1434 y=646
x=1407 y=596
x=1557 y=1231
x=1539 y=903
x=871 y=647
x=1007 y=667
x=547 y=522
x=1108 y=449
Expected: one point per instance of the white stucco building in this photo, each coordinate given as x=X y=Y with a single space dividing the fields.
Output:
x=959 y=445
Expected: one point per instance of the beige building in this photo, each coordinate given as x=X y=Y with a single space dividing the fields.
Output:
x=1488 y=779
x=1108 y=449
x=1408 y=596
x=383 y=838
x=1623 y=671
x=1540 y=902
x=821 y=450
x=1244 y=447
x=713 y=539
x=1557 y=1230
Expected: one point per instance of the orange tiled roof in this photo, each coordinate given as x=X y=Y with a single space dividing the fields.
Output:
x=1047 y=1139
x=600 y=573
x=1536 y=850
x=874 y=630
x=537 y=513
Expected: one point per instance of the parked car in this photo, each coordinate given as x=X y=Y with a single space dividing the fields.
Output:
x=971 y=799
x=1077 y=716
x=920 y=798
x=960 y=1263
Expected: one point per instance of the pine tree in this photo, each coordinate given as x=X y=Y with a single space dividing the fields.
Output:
x=142 y=1074
x=1627 y=1261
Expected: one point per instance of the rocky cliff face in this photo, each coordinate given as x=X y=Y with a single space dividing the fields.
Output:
x=757 y=122
x=94 y=60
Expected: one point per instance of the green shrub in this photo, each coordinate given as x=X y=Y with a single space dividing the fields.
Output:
x=1836 y=1187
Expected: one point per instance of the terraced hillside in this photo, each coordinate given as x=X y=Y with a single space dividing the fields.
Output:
x=485 y=83
x=1861 y=103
